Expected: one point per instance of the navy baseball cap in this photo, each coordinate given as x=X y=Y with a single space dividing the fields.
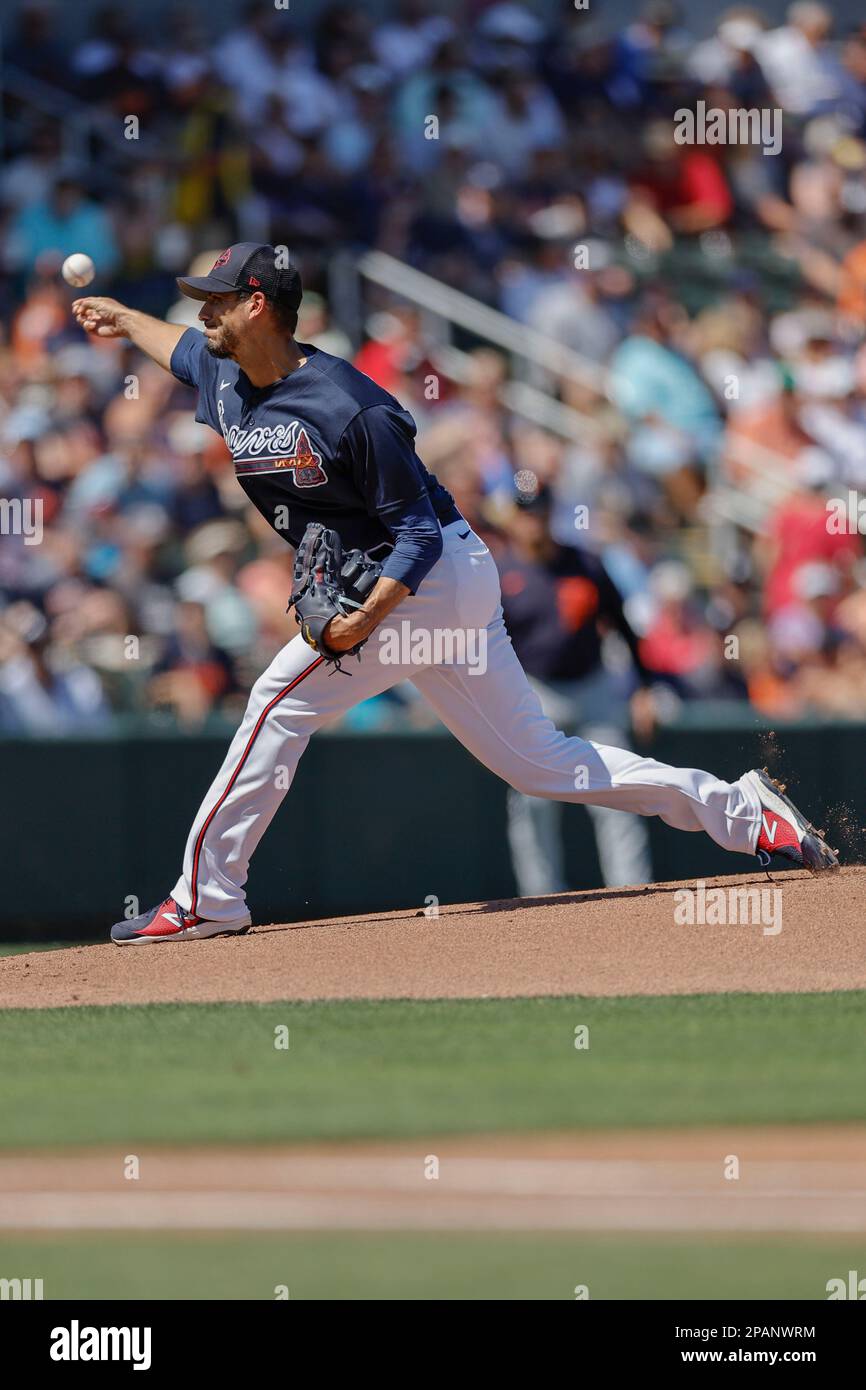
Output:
x=248 y=266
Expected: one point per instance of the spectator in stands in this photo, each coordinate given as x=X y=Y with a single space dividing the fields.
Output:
x=799 y=535
x=646 y=52
x=676 y=428
x=522 y=118
x=193 y=673
x=35 y=46
x=680 y=646
x=573 y=310
x=441 y=108
x=680 y=191
x=37 y=696
x=408 y=42
x=30 y=176
x=557 y=600
x=53 y=228
x=796 y=59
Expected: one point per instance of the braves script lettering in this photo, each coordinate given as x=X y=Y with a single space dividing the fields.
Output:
x=286 y=446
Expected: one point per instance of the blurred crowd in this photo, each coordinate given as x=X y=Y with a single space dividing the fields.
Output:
x=710 y=299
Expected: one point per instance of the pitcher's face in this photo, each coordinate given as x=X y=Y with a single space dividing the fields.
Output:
x=226 y=322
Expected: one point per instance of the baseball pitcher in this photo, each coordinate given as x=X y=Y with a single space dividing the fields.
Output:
x=391 y=584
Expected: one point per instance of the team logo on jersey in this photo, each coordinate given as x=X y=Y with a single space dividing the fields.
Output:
x=273 y=449
x=305 y=462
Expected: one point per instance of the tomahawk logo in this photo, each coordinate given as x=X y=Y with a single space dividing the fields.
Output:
x=76 y=1343
x=305 y=463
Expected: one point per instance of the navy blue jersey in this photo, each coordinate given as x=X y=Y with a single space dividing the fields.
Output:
x=552 y=610
x=324 y=444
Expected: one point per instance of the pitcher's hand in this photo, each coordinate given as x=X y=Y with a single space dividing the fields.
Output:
x=104 y=317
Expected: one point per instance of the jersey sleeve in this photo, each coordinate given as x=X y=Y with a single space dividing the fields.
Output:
x=192 y=364
x=378 y=450
x=612 y=608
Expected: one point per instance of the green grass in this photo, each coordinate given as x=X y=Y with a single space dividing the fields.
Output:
x=430 y=1266
x=205 y=1073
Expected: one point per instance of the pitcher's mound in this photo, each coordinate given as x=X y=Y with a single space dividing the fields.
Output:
x=788 y=932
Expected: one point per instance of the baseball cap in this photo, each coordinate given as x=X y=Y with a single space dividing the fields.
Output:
x=249 y=265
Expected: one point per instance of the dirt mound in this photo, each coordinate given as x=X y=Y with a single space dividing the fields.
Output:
x=791 y=933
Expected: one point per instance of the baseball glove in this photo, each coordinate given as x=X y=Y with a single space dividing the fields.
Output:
x=328 y=583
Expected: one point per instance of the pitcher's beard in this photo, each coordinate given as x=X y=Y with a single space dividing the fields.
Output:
x=224 y=346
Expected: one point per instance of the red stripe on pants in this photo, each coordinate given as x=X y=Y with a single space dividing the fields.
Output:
x=250 y=741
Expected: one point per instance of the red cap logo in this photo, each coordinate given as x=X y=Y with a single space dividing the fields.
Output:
x=253 y=281
x=222 y=259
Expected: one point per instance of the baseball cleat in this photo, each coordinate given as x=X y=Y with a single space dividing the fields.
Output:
x=785 y=833
x=170 y=922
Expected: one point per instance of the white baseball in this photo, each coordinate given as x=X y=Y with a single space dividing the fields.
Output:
x=78 y=269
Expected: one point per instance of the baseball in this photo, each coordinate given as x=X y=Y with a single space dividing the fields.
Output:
x=78 y=269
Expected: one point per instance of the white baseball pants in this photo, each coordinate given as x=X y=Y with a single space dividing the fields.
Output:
x=449 y=639
x=596 y=708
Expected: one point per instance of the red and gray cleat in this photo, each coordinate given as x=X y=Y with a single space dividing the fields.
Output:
x=169 y=922
x=785 y=833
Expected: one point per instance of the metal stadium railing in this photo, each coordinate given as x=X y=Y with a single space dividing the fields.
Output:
x=448 y=309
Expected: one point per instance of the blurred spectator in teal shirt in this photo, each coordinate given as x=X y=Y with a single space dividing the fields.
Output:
x=675 y=417
x=66 y=221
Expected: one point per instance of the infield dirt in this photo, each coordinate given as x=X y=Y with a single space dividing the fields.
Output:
x=793 y=1180
x=608 y=942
